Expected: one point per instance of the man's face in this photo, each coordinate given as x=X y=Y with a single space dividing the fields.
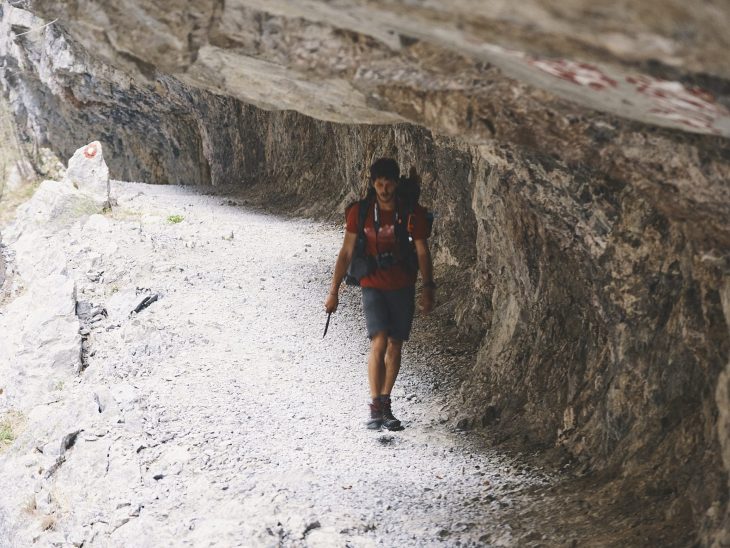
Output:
x=385 y=189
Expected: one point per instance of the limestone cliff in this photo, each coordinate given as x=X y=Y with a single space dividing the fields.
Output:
x=582 y=206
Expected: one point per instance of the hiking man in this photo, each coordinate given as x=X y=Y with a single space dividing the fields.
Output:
x=392 y=236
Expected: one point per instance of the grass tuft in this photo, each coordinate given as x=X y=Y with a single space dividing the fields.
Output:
x=173 y=219
x=12 y=424
x=6 y=432
x=30 y=505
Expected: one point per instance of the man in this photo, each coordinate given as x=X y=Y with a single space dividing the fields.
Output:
x=388 y=292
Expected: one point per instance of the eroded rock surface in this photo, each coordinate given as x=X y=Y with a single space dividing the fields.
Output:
x=41 y=342
x=346 y=55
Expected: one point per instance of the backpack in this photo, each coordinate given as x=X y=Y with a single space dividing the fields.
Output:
x=408 y=193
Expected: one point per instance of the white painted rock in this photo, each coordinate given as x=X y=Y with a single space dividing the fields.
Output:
x=88 y=171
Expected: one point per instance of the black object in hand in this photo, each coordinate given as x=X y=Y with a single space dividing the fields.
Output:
x=326 y=326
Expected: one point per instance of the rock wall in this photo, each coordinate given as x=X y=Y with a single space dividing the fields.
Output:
x=592 y=252
x=606 y=340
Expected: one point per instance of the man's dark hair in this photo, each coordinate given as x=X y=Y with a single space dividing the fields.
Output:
x=385 y=167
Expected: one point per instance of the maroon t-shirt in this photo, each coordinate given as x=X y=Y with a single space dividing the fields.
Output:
x=397 y=276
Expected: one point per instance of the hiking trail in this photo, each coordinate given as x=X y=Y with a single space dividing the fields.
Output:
x=242 y=426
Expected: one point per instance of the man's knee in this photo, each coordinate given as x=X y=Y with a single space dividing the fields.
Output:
x=379 y=342
x=395 y=344
x=394 y=347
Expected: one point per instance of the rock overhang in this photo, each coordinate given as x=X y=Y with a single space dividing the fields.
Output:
x=333 y=61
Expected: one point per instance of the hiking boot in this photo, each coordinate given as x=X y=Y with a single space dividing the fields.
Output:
x=389 y=421
x=376 y=417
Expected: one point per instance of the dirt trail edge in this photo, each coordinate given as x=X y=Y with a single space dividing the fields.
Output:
x=224 y=417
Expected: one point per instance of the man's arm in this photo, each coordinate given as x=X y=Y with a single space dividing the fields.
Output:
x=343 y=261
x=426 y=267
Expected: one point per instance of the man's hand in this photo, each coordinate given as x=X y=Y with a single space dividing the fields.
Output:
x=331 y=302
x=425 y=304
x=343 y=261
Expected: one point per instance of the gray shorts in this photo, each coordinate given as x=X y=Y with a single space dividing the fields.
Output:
x=390 y=311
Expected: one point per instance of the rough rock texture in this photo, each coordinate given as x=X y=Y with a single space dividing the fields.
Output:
x=15 y=169
x=338 y=61
x=40 y=328
x=722 y=397
x=606 y=331
x=591 y=249
x=666 y=31
x=41 y=347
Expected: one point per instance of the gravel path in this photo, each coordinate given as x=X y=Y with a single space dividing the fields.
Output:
x=231 y=422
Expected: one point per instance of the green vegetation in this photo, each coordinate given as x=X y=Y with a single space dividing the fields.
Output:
x=174 y=219
x=12 y=424
x=6 y=432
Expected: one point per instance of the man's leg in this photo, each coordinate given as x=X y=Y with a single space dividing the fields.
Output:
x=375 y=307
x=376 y=376
x=401 y=305
x=392 y=365
x=376 y=363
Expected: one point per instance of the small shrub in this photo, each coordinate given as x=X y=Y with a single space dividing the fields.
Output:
x=174 y=219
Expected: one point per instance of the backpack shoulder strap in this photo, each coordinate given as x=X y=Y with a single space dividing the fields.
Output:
x=407 y=211
x=362 y=214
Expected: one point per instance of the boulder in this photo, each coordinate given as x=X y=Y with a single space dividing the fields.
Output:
x=88 y=172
